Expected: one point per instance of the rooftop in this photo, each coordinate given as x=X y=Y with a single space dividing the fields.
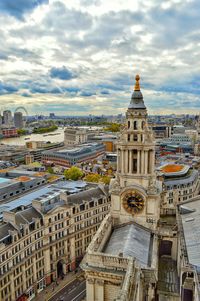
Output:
x=172 y=170
x=190 y=216
x=187 y=178
x=130 y=240
x=79 y=150
x=51 y=191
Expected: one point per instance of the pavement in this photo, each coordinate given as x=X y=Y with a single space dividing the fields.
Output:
x=71 y=281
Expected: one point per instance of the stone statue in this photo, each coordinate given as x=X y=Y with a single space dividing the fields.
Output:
x=114 y=185
x=152 y=189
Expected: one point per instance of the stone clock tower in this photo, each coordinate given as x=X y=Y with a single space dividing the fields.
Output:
x=135 y=193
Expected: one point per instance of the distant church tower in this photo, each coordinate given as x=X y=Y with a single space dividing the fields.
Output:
x=135 y=191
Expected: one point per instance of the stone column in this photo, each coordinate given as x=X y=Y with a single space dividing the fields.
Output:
x=150 y=162
x=122 y=161
x=90 y=289
x=146 y=162
x=138 y=162
x=118 y=160
x=142 y=162
x=153 y=161
x=99 y=289
x=127 y=161
x=130 y=159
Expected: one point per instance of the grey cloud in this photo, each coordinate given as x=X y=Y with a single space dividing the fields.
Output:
x=106 y=52
x=62 y=73
x=90 y=2
x=20 y=7
x=60 y=18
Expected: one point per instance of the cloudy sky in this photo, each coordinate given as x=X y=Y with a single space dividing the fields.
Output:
x=78 y=57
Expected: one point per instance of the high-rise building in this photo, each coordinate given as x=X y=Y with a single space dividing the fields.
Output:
x=7 y=118
x=18 y=120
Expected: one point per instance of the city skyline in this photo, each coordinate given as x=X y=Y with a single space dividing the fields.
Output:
x=80 y=57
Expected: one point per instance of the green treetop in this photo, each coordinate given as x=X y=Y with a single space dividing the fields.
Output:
x=74 y=173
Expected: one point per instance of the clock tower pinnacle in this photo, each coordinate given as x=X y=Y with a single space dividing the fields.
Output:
x=135 y=183
x=136 y=147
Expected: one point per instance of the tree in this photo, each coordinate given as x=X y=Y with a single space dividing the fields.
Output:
x=94 y=177
x=21 y=132
x=97 y=178
x=105 y=180
x=113 y=127
x=74 y=173
x=50 y=170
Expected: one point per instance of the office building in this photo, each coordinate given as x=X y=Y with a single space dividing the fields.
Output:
x=69 y=156
x=18 y=120
x=44 y=235
x=7 y=118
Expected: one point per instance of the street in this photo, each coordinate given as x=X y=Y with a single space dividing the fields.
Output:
x=75 y=291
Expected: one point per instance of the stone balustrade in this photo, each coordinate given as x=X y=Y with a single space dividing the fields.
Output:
x=105 y=261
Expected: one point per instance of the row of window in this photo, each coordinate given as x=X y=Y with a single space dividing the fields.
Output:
x=21 y=190
x=179 y=186
x=136 y=124
x=81 y=247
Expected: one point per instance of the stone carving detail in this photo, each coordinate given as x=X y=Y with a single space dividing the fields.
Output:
x=152 y=189
x=115 y=185
x=100 y=282
x=90 y=280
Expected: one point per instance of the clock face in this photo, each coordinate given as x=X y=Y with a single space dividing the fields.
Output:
x=133 y=202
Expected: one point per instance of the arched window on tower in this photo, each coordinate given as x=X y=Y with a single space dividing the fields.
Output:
x=135 y=125
x=143 y=124
x=128 y=124
x=134 y=161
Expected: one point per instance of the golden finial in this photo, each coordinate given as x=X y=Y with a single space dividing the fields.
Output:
x=137 y=83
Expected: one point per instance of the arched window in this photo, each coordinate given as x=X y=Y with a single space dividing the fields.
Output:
x=143 y=124
x=135 y=125
x=128 y=124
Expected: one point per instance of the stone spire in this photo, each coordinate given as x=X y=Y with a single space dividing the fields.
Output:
x=137 y=97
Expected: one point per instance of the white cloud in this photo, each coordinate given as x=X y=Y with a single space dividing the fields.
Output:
x=105 y=43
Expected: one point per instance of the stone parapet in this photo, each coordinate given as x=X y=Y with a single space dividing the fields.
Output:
x=105 y=261
x=101 y=235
